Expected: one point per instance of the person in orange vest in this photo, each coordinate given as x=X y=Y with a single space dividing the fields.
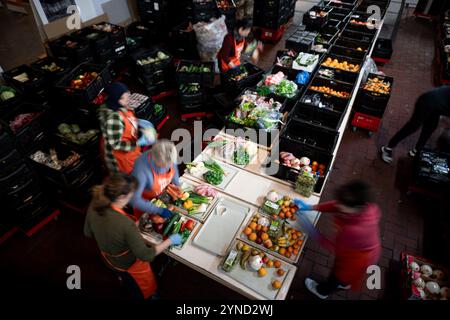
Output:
x=120 y=141
x=233 y=45
x=155 y=170
x=121 y=244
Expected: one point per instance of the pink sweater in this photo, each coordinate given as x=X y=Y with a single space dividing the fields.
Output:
x=359 y=232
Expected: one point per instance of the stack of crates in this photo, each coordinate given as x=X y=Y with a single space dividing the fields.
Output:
x=370 y=106
x=20 y=190
x=204 y=10
x=154 y=76
x=273 y=14
x=155 y=14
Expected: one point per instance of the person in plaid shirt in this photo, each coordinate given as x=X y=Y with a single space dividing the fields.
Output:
x=121 y=143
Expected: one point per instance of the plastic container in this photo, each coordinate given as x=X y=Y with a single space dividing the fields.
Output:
x=318 y=22
x=52 y=76
x=36 y=87
x=85 y=96
x=77 y=53
x=337 y=74
x=359 y=22
x=310 y=135
x=151 y=67
x=67 y=176
x=348 y=52
x=354 y=45
x=205 y=79
x=373 y=99
x=98 y=40
x=317 y=116
x=32 y=134
x=254 y=76
x=332 y=84
x=116 y=35
x=365 y=38
x=328 y=102
x=9 y=105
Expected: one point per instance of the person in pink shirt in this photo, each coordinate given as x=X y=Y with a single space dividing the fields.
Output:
x=357 y=244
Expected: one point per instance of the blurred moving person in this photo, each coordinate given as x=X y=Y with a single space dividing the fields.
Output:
x=357 y=244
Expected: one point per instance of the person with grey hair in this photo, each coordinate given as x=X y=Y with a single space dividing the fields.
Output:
x=155 y=170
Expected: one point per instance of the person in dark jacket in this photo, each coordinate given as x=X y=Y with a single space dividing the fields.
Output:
x=121 y=244
x=428 y=109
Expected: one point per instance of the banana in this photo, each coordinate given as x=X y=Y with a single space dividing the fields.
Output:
x=244 y=259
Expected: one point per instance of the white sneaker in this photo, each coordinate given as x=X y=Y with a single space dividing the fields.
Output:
x=344 y=288
x=312 y=287
x=412 y=153
x=386 y=154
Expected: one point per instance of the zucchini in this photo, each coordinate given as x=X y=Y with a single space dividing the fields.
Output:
x=171 y=223
x=177 y=227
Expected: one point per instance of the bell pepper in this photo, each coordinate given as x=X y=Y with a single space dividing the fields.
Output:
x=188 y=204
x=190 y=225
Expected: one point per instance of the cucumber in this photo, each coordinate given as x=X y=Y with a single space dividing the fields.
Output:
x=171 y=223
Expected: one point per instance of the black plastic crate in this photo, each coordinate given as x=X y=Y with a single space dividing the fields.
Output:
x=14 y=179
x=88 y=146
x=116 y=33
x=205 y=79
x=151 y=68
x=306 y=134
x=142 y=105
x=269 y=22
x=6 y=139
x=10 y=161
x=85 y=96
x=354 y=45
x=22 y=193
x=359 y=22
x=317 y=116
x=365 y=38
x=322 y=100
x=10 y=104
x=375 y=111
x=299 y=44
x=73 y=50
x=372 y=99
x=348 y=52
x=325 y=39
x=341 y=59
x=31 y=134
x=201 y=5
x=53 y=68
x=36 y=86
x=383 y=49
x=140 y=32
x=98 y=40
x=336 y=74
x=337 y=86
x=432 y=168
x=318 y=22
x=290 y=174
x=191 y=98
x=235 y=86
x=67 y=176
x=105 y=57
x=183 y=42
x=156 y=78
x=32 y=208
x=335 y=23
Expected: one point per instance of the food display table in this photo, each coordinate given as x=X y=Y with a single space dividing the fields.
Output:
x=248 y=186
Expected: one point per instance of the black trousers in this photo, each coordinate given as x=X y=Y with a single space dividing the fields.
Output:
x=422 y=117
x=328 y=287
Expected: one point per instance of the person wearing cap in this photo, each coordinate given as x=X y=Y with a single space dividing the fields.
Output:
x=120 y=141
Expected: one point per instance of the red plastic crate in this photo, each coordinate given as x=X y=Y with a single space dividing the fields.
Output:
x=271 y=35
x=364 y=121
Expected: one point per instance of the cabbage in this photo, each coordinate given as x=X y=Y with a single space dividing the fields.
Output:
x=6 y=95
x=76 y=128
x=64 y=128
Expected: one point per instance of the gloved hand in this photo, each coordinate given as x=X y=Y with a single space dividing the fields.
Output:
x=165 y=213
x=145 y=124
x=143 y=142
x=176 y=239
x=307 y=226
x=302 y=205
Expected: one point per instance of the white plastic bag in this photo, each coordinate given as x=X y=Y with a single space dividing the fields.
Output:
x=210 y=35
x=369 y=67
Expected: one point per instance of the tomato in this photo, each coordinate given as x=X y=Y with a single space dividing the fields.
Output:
x=190 y=225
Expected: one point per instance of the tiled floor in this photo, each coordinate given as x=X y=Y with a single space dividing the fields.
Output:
x=44 y=258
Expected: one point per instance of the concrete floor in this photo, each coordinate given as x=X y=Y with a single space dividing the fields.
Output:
x=408 y=224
